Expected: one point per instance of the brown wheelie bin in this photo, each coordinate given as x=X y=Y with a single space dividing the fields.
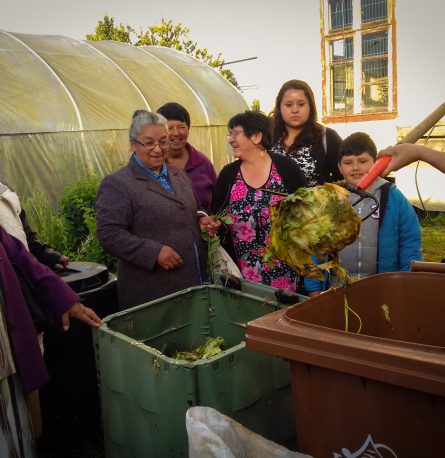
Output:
x=377 y=393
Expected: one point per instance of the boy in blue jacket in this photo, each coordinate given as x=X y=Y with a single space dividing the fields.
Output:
x=390 y=238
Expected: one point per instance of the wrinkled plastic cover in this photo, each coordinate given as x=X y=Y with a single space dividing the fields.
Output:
x=212 y=434
x=66 y=106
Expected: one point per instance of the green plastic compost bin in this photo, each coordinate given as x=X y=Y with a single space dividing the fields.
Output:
x=378 y=393
x=145 y=392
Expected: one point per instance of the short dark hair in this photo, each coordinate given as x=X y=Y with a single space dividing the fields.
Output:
x=254 y=122
x=174 y=111
x=356 y=144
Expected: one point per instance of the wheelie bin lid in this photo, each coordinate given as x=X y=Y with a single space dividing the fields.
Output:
x=401 y=339
x=83 y=276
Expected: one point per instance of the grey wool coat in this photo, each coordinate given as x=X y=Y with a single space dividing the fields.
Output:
x=136 y=216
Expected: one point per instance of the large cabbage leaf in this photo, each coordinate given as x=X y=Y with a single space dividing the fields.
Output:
x=313 y=222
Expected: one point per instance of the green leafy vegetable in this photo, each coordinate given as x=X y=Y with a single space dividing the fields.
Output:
x=212 y=347
x=385 y=310
x=313 y=222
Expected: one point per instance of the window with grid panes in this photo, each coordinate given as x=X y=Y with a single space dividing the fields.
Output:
x=358 y=56
x=342 y=74
x=375 y=71
x=340 y=13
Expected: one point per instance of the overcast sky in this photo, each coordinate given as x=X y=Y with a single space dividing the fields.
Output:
x=238 y=29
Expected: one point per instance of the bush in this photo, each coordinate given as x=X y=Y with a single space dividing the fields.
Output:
x=71 y=230
x=77 y=204
x=89 y=248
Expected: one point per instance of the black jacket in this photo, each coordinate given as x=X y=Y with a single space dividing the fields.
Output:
x=42 y=251
x=333 y=141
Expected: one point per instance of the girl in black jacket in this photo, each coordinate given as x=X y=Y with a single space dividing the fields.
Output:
x=298 y=135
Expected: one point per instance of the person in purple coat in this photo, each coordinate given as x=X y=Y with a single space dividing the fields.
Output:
x=22 y=368
x=184 y=156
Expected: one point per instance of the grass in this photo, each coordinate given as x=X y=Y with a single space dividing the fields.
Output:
x=433 y=236
x=46 y=221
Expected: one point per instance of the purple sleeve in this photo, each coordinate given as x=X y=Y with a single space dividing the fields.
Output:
x=49 y=291
x=211 y=172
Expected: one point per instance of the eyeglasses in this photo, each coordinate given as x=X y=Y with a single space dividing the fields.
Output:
x=234 y=133
x=163 y=144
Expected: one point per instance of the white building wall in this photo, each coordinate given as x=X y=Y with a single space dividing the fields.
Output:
x=421 y=59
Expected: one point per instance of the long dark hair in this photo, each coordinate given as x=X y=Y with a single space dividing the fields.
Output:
x=312 y=130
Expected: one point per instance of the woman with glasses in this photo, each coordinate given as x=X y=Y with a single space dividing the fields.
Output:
x=244 y=191
x=298 y=135
x=184 y=156
x=148 y=216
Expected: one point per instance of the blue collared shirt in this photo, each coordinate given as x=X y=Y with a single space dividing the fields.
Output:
x=162 y=177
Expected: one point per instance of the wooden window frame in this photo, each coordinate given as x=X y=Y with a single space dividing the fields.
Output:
x=356 y=31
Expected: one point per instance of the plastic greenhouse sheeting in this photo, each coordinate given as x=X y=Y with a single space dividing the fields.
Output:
x=66 y=106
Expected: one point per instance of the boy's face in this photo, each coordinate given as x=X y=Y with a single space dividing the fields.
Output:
x=353 y=168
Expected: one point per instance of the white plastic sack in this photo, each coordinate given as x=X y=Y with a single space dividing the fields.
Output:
x=213 y=435
x=224 y=264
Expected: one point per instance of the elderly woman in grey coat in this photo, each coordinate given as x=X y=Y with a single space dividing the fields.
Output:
x=148 y=216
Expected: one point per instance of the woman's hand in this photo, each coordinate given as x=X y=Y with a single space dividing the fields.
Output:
x=168 y=259
x=406 y=153
x=212 y=226
x=62 y=262
x=401 y=155
x=82 y=313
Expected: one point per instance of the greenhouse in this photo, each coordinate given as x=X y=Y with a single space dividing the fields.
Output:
x=66 y=106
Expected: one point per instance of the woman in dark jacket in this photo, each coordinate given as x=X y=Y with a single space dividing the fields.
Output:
x=22 y=368
x=244 y=191
x=148 y=216
x=298 y=135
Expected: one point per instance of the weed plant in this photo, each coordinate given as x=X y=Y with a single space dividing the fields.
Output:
x=72 y=228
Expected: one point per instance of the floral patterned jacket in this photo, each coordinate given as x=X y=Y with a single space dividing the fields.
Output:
x=293 y=178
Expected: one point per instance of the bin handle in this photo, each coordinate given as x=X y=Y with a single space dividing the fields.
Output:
x=422 y=266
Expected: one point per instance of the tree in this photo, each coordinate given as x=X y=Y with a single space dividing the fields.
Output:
x=255 y=105
x=166 y=34
x=106 y=30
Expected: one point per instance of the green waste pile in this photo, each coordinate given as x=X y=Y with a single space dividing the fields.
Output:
x=212 y=347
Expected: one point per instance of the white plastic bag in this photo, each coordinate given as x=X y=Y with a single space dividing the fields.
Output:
x=213 y=435
x=224 y=264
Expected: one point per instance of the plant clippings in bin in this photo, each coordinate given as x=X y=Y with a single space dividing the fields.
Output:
x=212 y=347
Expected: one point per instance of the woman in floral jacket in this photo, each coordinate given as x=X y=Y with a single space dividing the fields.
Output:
x=244 y=191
